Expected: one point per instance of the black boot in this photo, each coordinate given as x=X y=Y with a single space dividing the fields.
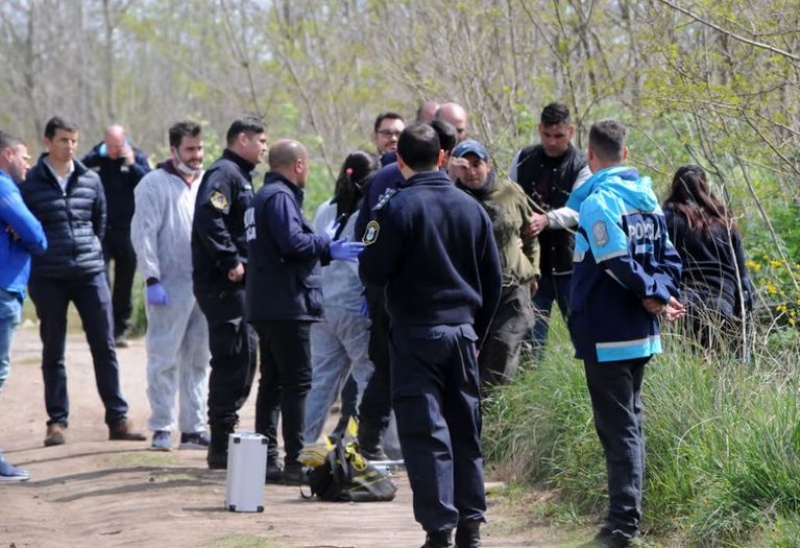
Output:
x=218 y=448
x=369 y=442
x=468 y=535
x=274 y=471
x=438 y=539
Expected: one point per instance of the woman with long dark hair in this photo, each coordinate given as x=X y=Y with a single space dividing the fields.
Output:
x=716 y=288
x=339 y=343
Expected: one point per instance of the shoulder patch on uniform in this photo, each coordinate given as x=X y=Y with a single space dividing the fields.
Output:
x=371 y=233
x=600 y=233
x=218 y=200
x=384 y=199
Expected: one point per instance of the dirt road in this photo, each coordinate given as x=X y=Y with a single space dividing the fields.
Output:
x=97 y=493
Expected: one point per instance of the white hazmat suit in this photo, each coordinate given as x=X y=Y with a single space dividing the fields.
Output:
x=177 y=333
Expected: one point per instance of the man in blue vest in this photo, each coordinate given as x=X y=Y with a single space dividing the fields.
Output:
x=625 y=279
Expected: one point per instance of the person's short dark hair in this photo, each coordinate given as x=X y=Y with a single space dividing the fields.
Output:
x=249 y=125
x=554 y=114
x=607 y=139
x=8 y=141
x=448 y=136
x=419 y=147
x=386 y=116
x=55 y=123
x=185 y=128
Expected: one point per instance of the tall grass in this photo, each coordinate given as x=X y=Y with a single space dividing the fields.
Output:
x=723 y=441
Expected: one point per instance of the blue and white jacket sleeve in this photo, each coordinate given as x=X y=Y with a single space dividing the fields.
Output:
x=601 y=219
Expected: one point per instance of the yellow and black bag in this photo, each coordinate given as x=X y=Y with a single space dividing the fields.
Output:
x=345 y=476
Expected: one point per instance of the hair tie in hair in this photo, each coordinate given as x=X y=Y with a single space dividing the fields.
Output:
x=349 y=171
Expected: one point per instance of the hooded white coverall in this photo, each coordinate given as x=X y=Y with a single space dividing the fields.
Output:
x=177 y=333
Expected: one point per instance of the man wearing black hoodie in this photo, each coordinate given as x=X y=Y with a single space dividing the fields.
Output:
x=431 y=247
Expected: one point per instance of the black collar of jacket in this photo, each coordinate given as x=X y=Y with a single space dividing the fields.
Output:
x=428 y=178
x=275 y=178
x=243 y=164
x=80 y=169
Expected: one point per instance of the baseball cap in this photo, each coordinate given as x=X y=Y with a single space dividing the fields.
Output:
x=470 y=146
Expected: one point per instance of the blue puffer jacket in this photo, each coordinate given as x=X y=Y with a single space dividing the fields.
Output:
x=622 y=256
x=74 y=221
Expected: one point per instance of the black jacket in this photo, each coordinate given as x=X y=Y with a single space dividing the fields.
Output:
x=431 y=245
x=218 y=239
x=556 y=245
x=118 y=181
x=74 y=222
x=713 y=265
x=283 y=272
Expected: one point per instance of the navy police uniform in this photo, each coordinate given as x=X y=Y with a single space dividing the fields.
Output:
x=284 y=297
x=375 y=409
x=218 y=245
x=431 y=247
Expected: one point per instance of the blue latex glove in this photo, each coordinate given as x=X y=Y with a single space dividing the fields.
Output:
x=156 y=294
x=364 y=307
x=342 y=250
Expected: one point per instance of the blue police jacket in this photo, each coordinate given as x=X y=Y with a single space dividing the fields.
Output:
x=386 y=178
x=432 y=247
x=622 y=256
x=21 y=235
x=283 y=278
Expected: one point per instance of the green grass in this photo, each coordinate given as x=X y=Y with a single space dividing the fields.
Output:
x=244 y=541
x=723 y=443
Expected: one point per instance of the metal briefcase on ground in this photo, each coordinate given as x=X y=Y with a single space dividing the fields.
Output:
x=247 y=465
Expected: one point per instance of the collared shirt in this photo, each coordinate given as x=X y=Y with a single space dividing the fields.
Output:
x=62 y=181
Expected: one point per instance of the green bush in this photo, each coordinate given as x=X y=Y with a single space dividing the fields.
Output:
x=723 y=442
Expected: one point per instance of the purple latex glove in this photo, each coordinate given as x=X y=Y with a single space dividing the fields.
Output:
x=156 y=294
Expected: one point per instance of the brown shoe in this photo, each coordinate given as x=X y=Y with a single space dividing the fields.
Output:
x=123 y=430
x=55 y=434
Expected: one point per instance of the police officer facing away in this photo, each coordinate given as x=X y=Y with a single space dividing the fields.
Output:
x=432 y=248
x=284 y=297
x=626 y=276
x=219 y=257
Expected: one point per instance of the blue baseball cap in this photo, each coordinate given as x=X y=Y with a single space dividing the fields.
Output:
x=470 y=146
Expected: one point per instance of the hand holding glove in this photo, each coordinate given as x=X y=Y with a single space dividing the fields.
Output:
x=156 y=294
x=342 y=250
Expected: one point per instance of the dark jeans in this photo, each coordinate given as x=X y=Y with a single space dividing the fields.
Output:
x=117 y=247
x=551 y=289
x=511 y=324
x=92 y=300
x=435 y=390
x=375 y=409
x=285 y=381
x=233 y=343
x=615 y=390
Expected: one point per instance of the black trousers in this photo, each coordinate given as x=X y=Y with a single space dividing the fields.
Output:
x=375 y=409
x=615 y=389
x=233 y=346
x=285 y=348
x=512 y=322
x=117 y=247
x=436 y=398
x=91 y=298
